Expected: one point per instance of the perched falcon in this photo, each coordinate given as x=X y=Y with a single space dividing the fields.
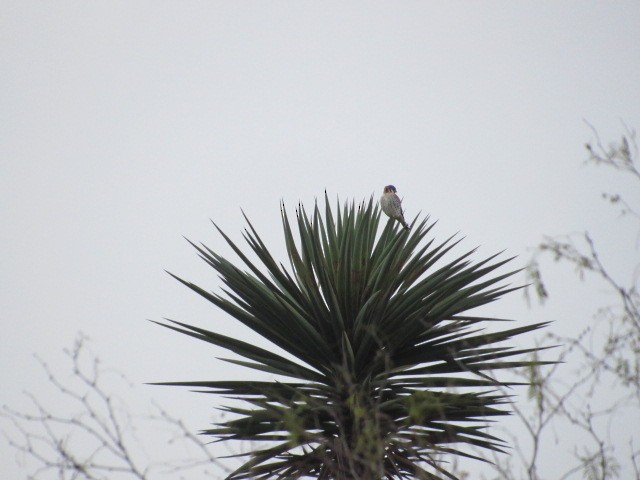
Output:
x=392 y=205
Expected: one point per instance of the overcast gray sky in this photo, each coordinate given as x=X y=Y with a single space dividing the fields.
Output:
x=125 y=125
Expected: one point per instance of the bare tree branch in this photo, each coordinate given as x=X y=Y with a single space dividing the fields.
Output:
x=93 y=437
x=605 y=355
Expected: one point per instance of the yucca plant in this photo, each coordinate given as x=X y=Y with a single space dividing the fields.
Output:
x=390 y=373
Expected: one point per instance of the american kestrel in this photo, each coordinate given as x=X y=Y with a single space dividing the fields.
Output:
x=392 y=205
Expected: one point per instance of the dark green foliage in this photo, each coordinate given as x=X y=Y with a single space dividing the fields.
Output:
x=391 y=371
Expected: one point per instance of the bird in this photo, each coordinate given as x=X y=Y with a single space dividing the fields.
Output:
x=392 y=205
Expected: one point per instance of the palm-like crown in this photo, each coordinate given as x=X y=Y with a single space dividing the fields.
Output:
x=391 y=370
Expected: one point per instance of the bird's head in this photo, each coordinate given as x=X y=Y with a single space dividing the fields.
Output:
x=389 y=189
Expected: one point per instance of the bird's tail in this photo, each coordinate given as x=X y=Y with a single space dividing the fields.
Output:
x=404 y=222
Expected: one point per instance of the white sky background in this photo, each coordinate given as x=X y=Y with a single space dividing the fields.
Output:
x=125 y=125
